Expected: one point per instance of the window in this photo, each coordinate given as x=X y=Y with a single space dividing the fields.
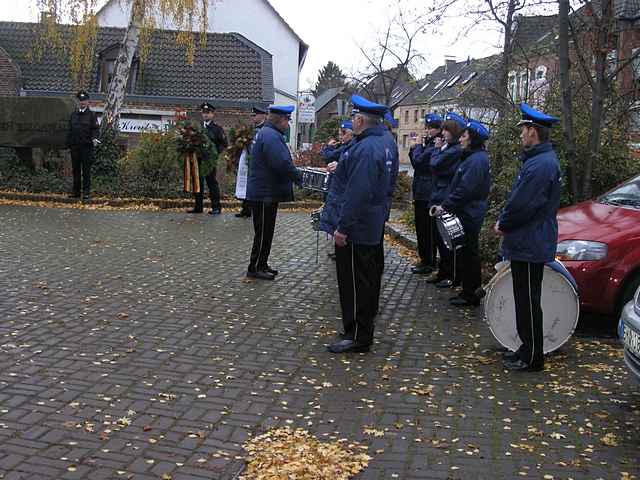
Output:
x=440 y=83
x=635 y=63
x=425 y=86
x=422 y=113
x=415 y=116
x=612 y=61
x=406 y=116
x=541 y=72
x=453 y=81
x=513 y=85
x=523 y=85
x=469 y=78
x=107 y=69
x=404 y=141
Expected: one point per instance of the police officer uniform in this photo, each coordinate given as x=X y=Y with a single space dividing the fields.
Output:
x=81 y=138
x=219 y=139
x=271 y=178
x=356 y=206
x=420 y=156
x=444 y=164
x=467 y=199
x=530 y=234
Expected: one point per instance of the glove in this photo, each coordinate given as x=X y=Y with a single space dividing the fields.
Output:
x=96 y=142
x=436 y=211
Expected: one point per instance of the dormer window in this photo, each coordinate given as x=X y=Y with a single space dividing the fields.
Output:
x=107 y=69
x=440 y=83
x=453 y=81
x=471 y=76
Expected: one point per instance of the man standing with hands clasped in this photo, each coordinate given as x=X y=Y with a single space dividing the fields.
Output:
x=354 y=213
x=82 y=136
x=530 y=233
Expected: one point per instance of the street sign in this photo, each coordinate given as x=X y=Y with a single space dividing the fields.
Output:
x=306 y=109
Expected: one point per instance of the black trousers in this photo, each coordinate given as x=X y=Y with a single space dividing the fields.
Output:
x=425 y=232
x=81 y=160
x=446 y=264
x=468 y=264
x=358 y=284
x=527 y=290
x=214 y=192
x=380 y=271
x=264 y=224
x=246 y=208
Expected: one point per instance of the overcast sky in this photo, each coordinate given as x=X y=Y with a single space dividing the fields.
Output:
x=334 y=28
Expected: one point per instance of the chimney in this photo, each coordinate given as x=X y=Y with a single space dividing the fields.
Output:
x=449 y=61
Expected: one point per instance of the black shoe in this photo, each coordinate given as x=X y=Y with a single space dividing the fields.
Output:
x=463 y=301
x=74 y=195
x=422 y=269
x=194 y=210
x=261 y=275
x=270 y=270
x=510 y=356
x=215 y=211
x=344 y=346
x=243 y=214
x=332 y=256
x=520 y=366
x=446 y=283
x=435 y=279
x=86 y=198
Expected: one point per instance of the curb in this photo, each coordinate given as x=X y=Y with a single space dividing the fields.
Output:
x=402 y=235
x=159 y=202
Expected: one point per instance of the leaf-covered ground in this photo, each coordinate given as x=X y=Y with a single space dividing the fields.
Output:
x=131 y=347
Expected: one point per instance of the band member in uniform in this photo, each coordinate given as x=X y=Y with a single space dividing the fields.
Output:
x=333 y=149
x=420 y=156
x=82 y=137
x=467 y=199
x=219 y=139
x=355 y=213
x=530 y=233
x=444 y=163
x=392 y=161
x=271 y=177
x=259 y=116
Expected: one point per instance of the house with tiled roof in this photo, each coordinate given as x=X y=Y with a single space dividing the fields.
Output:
x=230 y=71
x=255 y=20
x=454 y=86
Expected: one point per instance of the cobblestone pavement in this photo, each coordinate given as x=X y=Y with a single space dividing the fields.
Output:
x=131 y=348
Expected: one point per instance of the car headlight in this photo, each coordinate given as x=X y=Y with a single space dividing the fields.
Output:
x=581 y=250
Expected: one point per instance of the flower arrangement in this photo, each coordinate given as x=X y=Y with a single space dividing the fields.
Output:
x=240 y=137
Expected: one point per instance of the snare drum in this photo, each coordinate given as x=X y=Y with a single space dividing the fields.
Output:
x=560 y=307
x=451 y=231
x=315 y=179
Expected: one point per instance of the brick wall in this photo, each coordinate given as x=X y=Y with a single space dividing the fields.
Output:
x=8 y=75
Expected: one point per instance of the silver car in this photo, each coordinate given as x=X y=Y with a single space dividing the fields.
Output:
x=629 y=331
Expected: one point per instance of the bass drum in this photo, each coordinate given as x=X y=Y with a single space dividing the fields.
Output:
x=560 y=307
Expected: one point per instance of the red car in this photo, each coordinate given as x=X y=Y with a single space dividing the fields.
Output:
x=599 y=243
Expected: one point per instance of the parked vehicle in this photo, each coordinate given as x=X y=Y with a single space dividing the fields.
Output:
x=599 y=243
x=629 y=331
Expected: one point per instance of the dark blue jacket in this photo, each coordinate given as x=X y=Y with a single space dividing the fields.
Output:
x=420 y=157
x=357 y=201
x=469 y=189
x=393 y=166
x=331 y=153
x=271 y=171
x=444 y=164
x=528 y=219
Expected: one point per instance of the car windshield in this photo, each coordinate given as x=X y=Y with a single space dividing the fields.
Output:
x=626 y=195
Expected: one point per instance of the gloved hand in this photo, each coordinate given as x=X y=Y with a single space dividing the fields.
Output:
x=436 y=211
x=96 y=142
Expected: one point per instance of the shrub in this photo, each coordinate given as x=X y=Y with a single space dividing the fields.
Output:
x=328 y=130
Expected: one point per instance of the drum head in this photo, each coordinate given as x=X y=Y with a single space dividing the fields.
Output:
x=560 y=308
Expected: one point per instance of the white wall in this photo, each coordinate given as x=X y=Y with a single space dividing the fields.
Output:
x=252 y=18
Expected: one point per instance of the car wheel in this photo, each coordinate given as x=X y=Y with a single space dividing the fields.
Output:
x=628 y=292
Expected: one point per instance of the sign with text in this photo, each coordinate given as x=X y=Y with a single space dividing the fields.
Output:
x=139 y=125
x=306 y=108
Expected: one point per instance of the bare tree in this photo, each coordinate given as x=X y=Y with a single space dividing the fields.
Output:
x=393 y=59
